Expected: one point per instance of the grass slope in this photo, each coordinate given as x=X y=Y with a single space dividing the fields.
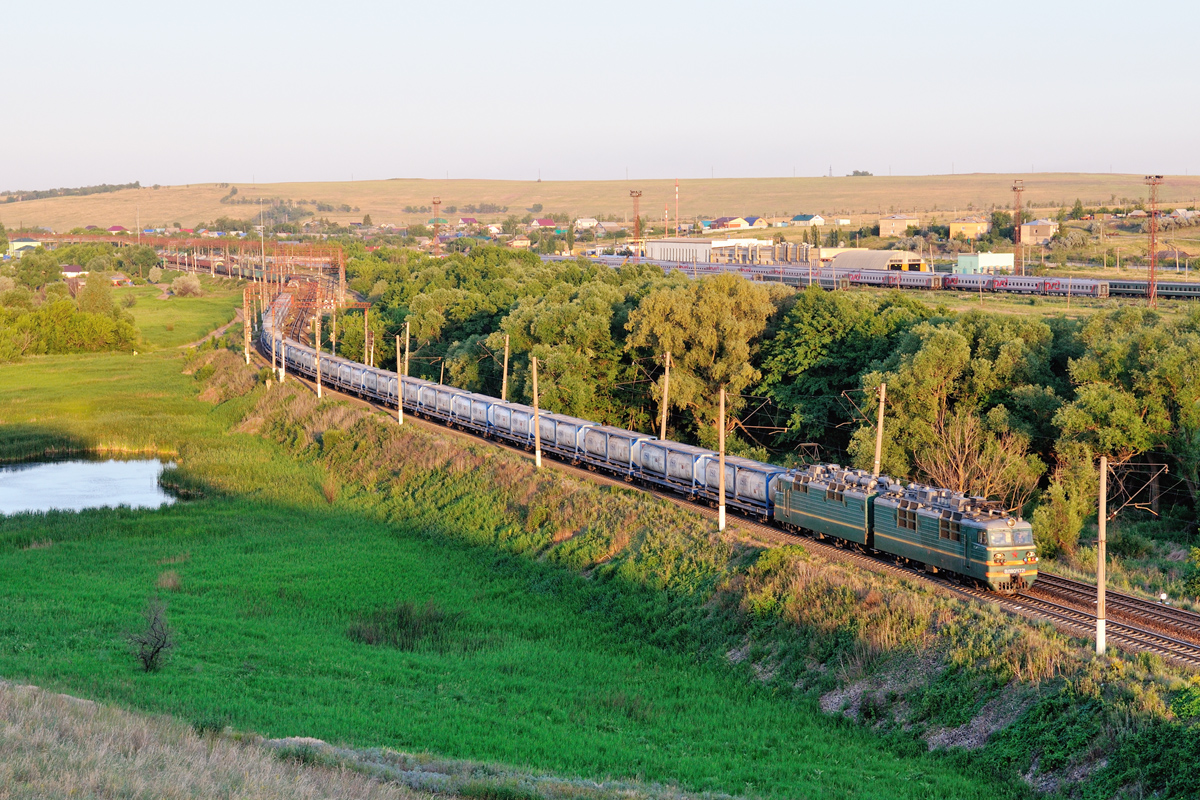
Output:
x=173 y=321
x=385 y=200
x=539 y=672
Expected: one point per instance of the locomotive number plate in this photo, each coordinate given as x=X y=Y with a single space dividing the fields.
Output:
x=1013 y=571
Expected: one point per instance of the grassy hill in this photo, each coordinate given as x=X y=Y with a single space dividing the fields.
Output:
x=859 y=198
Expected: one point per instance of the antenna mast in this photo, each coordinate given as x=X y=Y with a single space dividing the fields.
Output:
x=1018 y=188
x=636 y=194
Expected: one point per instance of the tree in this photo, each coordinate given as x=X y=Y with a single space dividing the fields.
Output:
x=367 y=220
x=155 y=274
x=1077 y=209
x=711 y=328
x=536 y=208
x=96 y=297
x=3 y=237
x=186 y=286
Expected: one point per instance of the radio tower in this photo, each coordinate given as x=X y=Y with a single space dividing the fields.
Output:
x=1018 y=187
x=437 y=226
x=677 y=206
x=1153 y=181
x=636 y=194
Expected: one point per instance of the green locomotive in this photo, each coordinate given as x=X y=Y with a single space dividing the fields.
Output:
x=921 y=525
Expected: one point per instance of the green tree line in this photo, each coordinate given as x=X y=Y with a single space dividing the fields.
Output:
x=1014 y=408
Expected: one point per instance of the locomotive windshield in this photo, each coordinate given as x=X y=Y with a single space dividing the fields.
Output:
x=1007 y=538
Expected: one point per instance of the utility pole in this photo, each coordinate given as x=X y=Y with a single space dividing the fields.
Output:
x=317 y=348
x=1101 y=556
x=666 y=392
x=879 y=428
x=504 y=380
x=406 y=340
x=437 y=227
x=721 y=462
x=399 y=383
x=537 y=428
x=677 y=230
x=333 y=333
x=636 y=194
x=1018 y=187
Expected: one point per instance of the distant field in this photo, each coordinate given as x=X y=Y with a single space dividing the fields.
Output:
x=859 y=198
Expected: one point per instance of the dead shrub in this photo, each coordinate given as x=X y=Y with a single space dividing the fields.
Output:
x=169 y=581
x=331 y=489
x=155 y=640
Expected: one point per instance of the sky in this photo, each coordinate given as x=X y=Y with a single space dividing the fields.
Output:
x=311 y=91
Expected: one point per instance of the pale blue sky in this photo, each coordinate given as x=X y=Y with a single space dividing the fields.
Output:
x=215 y=91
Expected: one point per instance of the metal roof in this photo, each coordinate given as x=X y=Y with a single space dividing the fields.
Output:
x=873 y=259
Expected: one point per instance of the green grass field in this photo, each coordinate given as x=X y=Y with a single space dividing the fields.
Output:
x=539 y=672
x=175 y=321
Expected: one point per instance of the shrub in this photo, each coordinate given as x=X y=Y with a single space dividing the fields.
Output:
x=404 y=626
x=1128 y=544
x=129 y=301
x=155 y=274
x=151 y=644
x=186 y=286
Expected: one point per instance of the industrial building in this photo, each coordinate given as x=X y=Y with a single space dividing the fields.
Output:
x=984 y=264
x=897 y=225
x=892 y=260
x=680 y=249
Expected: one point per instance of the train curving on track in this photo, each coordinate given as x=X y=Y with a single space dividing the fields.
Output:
x=928 y=527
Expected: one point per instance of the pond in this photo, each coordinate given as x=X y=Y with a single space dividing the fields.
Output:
x=79 y=484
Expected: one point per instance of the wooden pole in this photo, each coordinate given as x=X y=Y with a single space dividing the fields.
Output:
x=400 y=381
x=879 y=428
x=317 y=348
x=1101 y=557
x=666 y=391
x=537 y=429
x=504 y=381
x=721 y=461
x=406 y=340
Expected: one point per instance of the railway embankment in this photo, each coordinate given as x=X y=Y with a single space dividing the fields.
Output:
x=916 y=664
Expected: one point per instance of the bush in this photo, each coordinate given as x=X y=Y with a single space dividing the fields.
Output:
x=404 y=626
x=1128 y=544
x=155 y=274
x=151 y=644
x=186 y=286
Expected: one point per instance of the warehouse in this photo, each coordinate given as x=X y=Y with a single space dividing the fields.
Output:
x=679 y=249
x=896 y=260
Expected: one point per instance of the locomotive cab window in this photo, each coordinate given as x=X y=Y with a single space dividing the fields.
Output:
x=1001 y=538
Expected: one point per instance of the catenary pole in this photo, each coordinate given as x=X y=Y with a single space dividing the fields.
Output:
x=400 y=381
x=1101 y=557
x=504 y=380
x=537 y=428
x=879 y=428
x=406 y=340
x=246 y=321
x=666 y=394
x=317 y=348
x=721 y=466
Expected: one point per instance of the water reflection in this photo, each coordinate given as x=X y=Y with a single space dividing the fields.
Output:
x=76 y=485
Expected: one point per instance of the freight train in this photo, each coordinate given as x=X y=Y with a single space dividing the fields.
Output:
x=924 y=526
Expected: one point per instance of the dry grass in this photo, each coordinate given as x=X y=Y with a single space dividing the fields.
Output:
x=859 y=198
x=53 y=746
x=168 y=581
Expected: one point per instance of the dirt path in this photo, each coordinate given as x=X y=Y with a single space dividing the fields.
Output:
x=237 y=317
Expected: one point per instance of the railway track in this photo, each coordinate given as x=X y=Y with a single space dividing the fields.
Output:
x=1176 y=622
x=1173 y=634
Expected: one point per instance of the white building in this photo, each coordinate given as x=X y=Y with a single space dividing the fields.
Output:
x=585 y=223
x=984 y=263
x=680 y=249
